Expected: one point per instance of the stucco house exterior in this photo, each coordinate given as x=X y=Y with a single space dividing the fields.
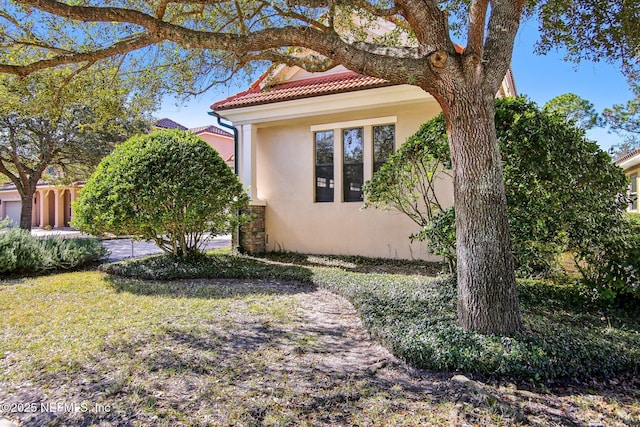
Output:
x=219 y=139
x=307 y=143
x=51 y=204
x=630 y=164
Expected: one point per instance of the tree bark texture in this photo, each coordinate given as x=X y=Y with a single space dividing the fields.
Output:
x=27 y=209
x=487 y=295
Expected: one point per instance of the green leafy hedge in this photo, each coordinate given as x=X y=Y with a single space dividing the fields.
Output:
x=169 y=186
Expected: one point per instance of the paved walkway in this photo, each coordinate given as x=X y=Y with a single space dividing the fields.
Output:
x=127 y=248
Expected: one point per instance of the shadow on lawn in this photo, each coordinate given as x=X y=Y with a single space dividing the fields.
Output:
x=209 y=288
x=360 y=264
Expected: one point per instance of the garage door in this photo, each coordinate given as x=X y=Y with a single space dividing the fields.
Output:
x=13 y=212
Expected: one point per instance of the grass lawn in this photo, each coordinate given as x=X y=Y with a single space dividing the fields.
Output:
x=275 y=350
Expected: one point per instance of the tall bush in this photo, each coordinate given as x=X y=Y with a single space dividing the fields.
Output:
x=562 y=189
x=169 y=186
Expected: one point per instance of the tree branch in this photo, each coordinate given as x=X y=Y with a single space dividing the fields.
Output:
x=161 y=9
x=503 y=26
x=475 y=36
x=360 y=4
x=122 y=46
x=363 y=58
x=430 y=24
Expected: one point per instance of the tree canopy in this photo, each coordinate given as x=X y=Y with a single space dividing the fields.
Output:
x=201 y=43
x=47 y=122
x=625 y=121
x=578 y=111
x=191 y=44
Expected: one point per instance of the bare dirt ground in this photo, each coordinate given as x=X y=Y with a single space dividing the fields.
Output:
x=299 y=357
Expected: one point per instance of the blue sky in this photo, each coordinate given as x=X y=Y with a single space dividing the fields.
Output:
x=541 y=78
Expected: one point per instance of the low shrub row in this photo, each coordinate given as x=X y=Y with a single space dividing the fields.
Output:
x=569 y=333
x=22 y=253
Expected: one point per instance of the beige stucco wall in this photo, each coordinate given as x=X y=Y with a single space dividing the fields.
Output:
x=285 y=180
x=633 y=170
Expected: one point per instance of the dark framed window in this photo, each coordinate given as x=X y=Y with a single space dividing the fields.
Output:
x=633 y=192
x=324 y=166
x=353 y=166
x=384 y=141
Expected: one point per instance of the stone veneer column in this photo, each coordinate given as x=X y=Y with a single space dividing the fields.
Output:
x=253 y=237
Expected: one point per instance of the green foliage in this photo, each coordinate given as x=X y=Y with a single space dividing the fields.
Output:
x=408 y=179
x=20 y=252
x=594 y=30
x=416 y=319
x=440 y=234
x=578 y=111
x=613 y=268
x=210 y=266
x=170 y=187
x=60 y=253
x=46 y=121
x=562 y=189
x=625 y=121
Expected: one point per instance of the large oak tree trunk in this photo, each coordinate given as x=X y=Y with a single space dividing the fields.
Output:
x=27 y=209
x=487 y=295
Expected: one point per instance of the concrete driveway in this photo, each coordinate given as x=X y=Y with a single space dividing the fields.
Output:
x=125 y=247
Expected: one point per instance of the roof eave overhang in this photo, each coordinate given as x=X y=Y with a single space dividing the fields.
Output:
x=334 y=103
x=630 y=162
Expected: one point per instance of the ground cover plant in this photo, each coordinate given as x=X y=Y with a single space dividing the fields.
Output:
x=226 y=352
x=570 y=333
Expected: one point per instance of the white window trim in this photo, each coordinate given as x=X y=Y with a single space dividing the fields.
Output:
x=355 y=123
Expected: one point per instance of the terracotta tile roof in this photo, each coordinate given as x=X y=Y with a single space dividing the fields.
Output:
x=169 y=124
x=307 y=88
x=210 y=129
x=627 y=156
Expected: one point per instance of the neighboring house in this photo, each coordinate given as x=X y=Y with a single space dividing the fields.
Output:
x=51 y=204
x=630 y=164
x=219 y=139
x=308 y=142
x=168 y=124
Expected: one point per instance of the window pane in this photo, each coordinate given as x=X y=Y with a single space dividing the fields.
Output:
x=324 y=166
x=353 y=145
x=384 y=138
x=324 y=148
x=353 y=169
